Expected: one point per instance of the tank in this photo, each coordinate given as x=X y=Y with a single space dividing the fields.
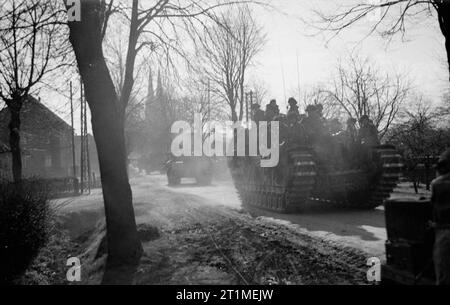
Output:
x=153 y=162
x=200 y=168
x=318 y=166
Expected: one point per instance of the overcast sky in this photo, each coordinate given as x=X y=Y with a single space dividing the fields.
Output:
x=289 y=38
x=422 y=55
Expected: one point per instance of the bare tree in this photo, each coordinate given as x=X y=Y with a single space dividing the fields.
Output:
x=418 y=132
x=161 y=26
x=30 y=49
x=320 y=94
x=422 y=136
x=259 y=91
x=360 y=89
x=227 y=51
x=148 y=22
x=115 y=47
x=86 y=37
x=390 y=17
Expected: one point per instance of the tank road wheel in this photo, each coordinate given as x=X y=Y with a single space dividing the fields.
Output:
x=280 y=200
x=391 y=162
x=303 y=180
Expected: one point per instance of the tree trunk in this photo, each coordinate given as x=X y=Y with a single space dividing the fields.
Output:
x=234 y=116
x=131 y=56
x=124 y=247
x=443 y=10
x=14 y=139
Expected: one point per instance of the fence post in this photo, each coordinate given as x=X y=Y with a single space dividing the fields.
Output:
x=76 y=186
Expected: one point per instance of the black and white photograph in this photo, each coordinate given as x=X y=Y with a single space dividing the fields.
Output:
x=224 y=149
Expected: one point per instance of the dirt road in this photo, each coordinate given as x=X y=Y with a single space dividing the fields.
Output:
x=204 y=237
x=363 y=230
x=201 y=235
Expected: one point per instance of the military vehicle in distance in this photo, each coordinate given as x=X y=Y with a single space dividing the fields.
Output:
x=200 y=168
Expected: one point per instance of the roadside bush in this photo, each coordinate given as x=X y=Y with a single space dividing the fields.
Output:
x=24 y=225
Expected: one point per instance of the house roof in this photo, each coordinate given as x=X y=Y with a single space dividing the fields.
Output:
x=50 y=115
x=35 y=116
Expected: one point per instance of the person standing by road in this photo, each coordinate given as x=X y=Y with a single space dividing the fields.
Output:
x=440 y=199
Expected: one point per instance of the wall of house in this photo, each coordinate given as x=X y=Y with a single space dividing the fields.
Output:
x=45 y=141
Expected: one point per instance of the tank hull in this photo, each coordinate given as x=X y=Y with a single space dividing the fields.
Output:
x=302 y=176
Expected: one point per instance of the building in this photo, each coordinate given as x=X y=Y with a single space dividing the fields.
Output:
x=46 y=142
x=152 y=155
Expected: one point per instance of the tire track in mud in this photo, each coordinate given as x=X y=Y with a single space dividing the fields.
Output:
x=253 y=251
x=203 y=243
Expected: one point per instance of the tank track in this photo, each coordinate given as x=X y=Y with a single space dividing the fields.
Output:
x=284 y=197
x=291 y=195
x=381 y=188
x=391 y=161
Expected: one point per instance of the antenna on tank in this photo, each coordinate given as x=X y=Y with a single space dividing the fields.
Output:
x=298 y=78
x=282 y=74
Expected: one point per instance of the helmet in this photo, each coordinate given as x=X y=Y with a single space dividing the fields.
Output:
x=292 y=102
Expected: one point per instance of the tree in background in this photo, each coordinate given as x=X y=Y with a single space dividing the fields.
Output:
x=320 y=94
x=259 y=91
x=147 y=22
x=388 y=17
x=31 y=48
x=115 y=47
x=420 y=132
x=422 y=137
x=360 y=89
x=225 y=54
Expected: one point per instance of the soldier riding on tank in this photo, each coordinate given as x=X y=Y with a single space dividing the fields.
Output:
x=313 y=124
x=296 y=133
x=351 y=131
x=257 y=114
x=272 y=110
x=312 y=164
x=293 y=109
x=368 y=132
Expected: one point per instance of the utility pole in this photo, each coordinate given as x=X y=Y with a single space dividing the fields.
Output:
x=85 y=166
x=73 y=133
x=81 y=139
x=88 y=163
